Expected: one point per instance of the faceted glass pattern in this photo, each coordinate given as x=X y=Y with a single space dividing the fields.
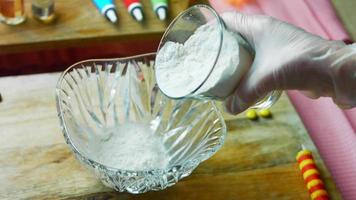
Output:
x=95 y=96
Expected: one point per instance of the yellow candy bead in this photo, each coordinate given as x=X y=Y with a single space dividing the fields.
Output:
x=318 y=193
x=310 y=172
x=302 y=153
x=305 y=162
x=314 y=183
x=265 y=113
x=251 y=114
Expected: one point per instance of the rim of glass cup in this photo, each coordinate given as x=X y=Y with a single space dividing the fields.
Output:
x=138 y=172
x=220 y=25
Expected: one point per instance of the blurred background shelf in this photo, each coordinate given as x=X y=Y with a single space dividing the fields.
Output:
x=80 y=32
x=80 y=23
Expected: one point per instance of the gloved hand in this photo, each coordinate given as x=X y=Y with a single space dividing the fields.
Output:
x=288 y=57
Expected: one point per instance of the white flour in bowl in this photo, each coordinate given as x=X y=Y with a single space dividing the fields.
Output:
x=132 y=146
x=182 y=68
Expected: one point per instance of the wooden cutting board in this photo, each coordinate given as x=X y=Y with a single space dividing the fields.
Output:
x=256 y=162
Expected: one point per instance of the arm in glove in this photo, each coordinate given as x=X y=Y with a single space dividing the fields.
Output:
x=287 y=57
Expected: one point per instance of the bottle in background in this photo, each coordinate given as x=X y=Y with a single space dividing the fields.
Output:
x=1 y=17
x=43 y=10
x=12 y=11
x=160 y=7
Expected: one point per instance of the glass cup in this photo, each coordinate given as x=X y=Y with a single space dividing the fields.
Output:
x=43 y=10
x=180 y=30
x=12 y=11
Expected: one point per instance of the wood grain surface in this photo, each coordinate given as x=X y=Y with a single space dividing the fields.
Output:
x=256 y=162
x=346 y=11
x=80 y=23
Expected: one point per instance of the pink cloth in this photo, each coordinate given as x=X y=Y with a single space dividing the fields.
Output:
x=351 y=116
x=295 y=12
x=220 y=6
x=331 y=129
x=325 y=14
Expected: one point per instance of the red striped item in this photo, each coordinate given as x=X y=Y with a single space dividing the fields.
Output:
x=315 y=188
x=304 y=157
x=322 y=198
x=311 y=175
x=307 y=167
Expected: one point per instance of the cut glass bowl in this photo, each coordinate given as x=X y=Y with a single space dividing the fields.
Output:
x=94 y=96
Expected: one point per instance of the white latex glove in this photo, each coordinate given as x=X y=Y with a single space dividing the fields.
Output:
x=288 y=57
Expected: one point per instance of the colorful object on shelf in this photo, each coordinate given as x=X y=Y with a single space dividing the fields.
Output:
x=311 y=175
x=160 y=7
x=238 y=3
x=265 y=113
x=134 y=7
x=108 y=9
x=251 y=114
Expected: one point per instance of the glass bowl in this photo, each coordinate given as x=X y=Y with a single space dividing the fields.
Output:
x=183 y=28
x=96 y=99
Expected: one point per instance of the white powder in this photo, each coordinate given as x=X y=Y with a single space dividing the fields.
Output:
x=182 y=68
x=133 y=147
